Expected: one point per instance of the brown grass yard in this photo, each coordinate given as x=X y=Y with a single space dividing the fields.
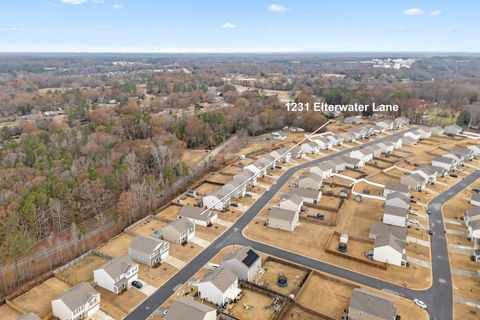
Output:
x=82 y=271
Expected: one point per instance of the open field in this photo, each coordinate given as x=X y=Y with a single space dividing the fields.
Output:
x=231 y=170
x=209 y=233
x=261 y=306
x=192 y=157
x=82 y=271
x=363 y=187
x=38 y=299
x=296 y=313
x=383 y=178
x=186 y=252
x=206 y=188
x=118 y=306
x=118 y=246
x=220 y=178
x=169 y=213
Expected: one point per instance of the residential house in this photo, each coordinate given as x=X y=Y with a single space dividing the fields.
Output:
x=459 y=159
x=244 y=262
x=308 y=195
x=471 y=214
x=398 y=200
x=437 y=131
x=246 y=175
x=279 y=135
x=310 y=147
x=291 y=202
x=378 y=129
x=475 y=150
x=390 y=249
x=283 y=155
x=219 y=286
x=198 y=215
x=377 y=150
x=348 y=136
x=475 y=199
x=365 y=154
x=337 y=164
x=117 y=274
x=352 y=163
x=297 y=153
x=283 y=219
x=449 y=164
x=323 y=143
x=267 y=161
x=473 y=228
x=366 y=305
x=389 y=146
x=395 y=216
x=310 y=181
x=236 y=187
x=148 y=250
x=429 y=172
x=377 y=229
x=185 y=308
x=453 y=130
x=324 y=170
x=179 y=231
x=80 y=302
x=416 y=181
x=359 y=133
x=257 y=168
x=218 y=200
x=398 y=142
x=425 y=132
x=414 y=135
x=353 y=120
x=407 y=141
x=460 y=152
x=396 y=187
x=386 y=124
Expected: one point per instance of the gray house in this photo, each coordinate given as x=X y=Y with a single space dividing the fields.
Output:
x=148 y=250
x=179 y=231
x=244 y=262
x=366 y=305
x=29 y=316
x=186 y=308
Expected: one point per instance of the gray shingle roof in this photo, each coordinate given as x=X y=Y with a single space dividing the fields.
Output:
x=187 y=309
x=78 y=295
x=221 y=277
x=118 y=266
x=373 y=304
x=146 y=244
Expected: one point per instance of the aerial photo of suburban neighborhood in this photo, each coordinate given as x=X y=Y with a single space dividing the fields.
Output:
x=194 y=160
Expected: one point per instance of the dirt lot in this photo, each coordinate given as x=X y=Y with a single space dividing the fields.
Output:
x=118 y=306
x=38 y=299
x=261 y=306
x=465 y=312
x=363 y=186
x=296 y=313
x=231 y=170
x=156 y=276
x=192 y=157
x=7 y=313
x=82 y=271
x=186 y=252
x=169 y=213
x=331 y=300
x=383 y=178
x=206 y=188
x=273 y=269
x=209 y=233
x=147 y=228
x=118 y=246
x=220 y=178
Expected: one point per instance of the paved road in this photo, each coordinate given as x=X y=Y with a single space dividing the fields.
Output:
x=234 y=235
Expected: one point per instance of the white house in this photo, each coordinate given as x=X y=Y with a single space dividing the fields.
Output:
x=185 y=308
x=395 y=216
x=323 y=143
x=397 y=199
x=446 y=163
x=462 y=152
x=407 y=141
x=364 y=154
x=297 y=153
x=80 y=302
x=283 y=219
x=471 y=214
x=353 y=120
x=475 y=150
x=459 y=159
x=284 y=154
x=218 y=200
x=453 y=130
x=398 y=142
x=473 y=228
x=390 y=249
x=148 y=250
x=244 y=262
x=377 y=150
x=219 y=286
x=415 y=135
x=236 y=187
x=117 y=274
x=396 y=187
x=179 y=231
x=245 y=175
x=279 y=135
x=389 y=146
x=323 y=169
x=475 y=199
x=386 y=124
x=310 y=147
x=437 y=131
x=425 y=132
x=308 y=195
x=428 y=172
x=291 y=202
x=198 y=216
x=337 y=164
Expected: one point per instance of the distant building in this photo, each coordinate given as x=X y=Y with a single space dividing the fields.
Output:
x=279 y=135
x=453 y=130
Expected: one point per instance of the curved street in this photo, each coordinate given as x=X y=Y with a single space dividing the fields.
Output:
x=438 y=297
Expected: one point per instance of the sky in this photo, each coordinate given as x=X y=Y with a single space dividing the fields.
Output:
x=239 y=26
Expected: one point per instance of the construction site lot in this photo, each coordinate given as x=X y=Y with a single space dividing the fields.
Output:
x=82 y=270
x=39 y=299
x=310 y=239
x=120 y=305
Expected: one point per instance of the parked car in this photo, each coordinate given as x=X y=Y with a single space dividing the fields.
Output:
x=430 y=232
x=429 y=211
x=453 y=175
x=234 y=204
x=476 y=190
x=420 y=303
x=191 y=193
x=137 y=284
x=278 y=167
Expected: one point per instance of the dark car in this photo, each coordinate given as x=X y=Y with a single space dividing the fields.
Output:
x=234 y=204
x=430 y=232
x=453 y=175
x=429 y=211
x=278 y=167
x=137 y=284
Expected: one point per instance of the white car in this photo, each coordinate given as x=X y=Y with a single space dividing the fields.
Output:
x=420 y=303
